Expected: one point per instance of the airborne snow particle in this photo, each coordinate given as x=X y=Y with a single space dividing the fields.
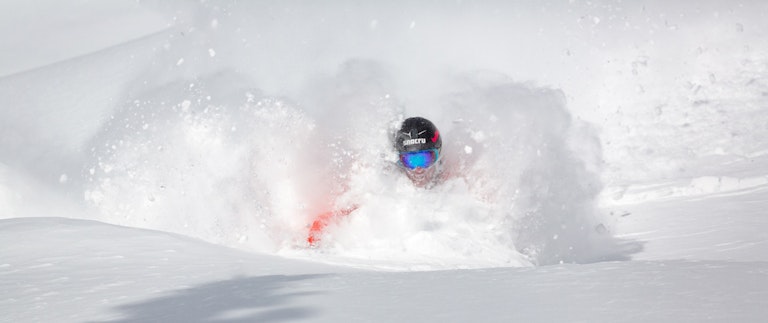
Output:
x=211 y=52
x=180 y=61
x=63 y=178
x=185 y=105
x=468 y=150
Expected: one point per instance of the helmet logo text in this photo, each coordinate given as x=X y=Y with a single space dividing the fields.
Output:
x=416 y=141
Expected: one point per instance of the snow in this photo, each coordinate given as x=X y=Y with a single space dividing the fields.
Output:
x=161 y=161
x=100 y=272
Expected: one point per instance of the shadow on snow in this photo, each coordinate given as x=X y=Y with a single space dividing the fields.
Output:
x=243 y=299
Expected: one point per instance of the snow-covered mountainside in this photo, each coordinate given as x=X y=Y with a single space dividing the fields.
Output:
x=161 y=161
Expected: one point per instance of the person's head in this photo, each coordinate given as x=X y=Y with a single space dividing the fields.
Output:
x=419 y=145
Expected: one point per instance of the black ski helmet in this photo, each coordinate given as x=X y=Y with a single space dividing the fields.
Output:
x=417 y=134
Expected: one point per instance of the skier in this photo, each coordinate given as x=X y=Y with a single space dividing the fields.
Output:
x=419 y=145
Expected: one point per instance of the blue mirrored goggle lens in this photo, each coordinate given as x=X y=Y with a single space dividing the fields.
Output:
x=422 y=158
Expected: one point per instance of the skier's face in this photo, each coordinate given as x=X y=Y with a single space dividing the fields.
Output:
x=420 y=165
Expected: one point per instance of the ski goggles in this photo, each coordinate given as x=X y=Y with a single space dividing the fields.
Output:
x=419 y=159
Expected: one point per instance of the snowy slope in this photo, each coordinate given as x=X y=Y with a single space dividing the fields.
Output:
x=160 y=161
x=102 y=273
x=96 y=267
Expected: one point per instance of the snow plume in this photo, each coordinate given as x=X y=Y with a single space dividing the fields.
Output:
x=215 y=159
